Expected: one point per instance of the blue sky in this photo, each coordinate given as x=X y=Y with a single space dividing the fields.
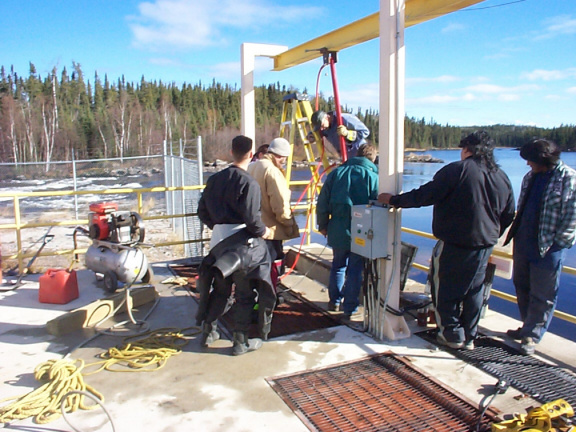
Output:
x=508 y=64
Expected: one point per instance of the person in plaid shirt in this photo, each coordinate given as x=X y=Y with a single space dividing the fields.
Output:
x=544 y=227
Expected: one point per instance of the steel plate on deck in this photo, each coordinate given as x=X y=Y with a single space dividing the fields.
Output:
x=379 y=393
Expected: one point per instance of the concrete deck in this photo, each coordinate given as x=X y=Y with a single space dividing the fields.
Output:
x=209 y=389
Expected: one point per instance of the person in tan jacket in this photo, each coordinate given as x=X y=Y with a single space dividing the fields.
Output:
x=276 y=212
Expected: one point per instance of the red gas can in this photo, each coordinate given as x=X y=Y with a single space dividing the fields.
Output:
x=58 y=286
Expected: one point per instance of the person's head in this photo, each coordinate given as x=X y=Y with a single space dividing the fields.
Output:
x=320 y=120
x=368 y=151
x=280 y=149
x=241 y=148
x=541 y=154
x=262 y=150
x=479 y=146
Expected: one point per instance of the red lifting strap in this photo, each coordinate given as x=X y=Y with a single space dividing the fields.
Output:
x=343 y=148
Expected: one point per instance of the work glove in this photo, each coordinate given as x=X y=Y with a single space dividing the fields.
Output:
x=350 y=135
x=311 y=137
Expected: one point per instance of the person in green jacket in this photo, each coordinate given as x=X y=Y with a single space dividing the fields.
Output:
x=353 y=183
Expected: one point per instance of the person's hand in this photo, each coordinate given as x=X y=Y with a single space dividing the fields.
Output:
x=324 y=232
x=384 y=198
x=267 y=234
x=311 y=137
x=342 y=131
x=350 y=135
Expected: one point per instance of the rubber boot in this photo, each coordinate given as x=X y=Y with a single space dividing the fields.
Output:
x=242 y=344
x=209 y=334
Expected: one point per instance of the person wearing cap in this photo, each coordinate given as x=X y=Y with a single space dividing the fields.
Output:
x=544 y=227
x=352 y=129
x=276 y=211
x=355 y=182
x=473 y=205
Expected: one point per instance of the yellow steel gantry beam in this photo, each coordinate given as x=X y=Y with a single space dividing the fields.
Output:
x=365 y=29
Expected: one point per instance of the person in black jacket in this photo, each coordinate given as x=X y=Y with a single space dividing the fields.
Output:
x=473 y=205
x=230 y=207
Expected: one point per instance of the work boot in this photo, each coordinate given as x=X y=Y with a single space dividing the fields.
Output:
x=209 y=334
x=515 y=334
x=528 y=346
x=443 y=341
x=242 y=344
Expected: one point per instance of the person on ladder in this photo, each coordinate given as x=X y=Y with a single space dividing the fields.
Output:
x=352 y=129
x=276 y=212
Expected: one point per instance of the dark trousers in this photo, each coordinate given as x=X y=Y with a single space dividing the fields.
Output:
x=457 y=286
x=536 y=280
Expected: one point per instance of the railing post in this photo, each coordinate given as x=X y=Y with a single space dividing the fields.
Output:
x=75 y=184
x=17 y=222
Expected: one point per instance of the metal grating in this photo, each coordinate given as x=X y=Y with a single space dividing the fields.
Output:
x=379 y=393
x=542 y=381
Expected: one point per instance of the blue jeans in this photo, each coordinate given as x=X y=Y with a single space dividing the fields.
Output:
x=345 y=279
x=536 y=281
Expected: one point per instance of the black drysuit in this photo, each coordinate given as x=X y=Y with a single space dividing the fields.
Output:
x=232 y=196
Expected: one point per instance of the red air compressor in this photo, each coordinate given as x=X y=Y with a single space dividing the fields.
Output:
x=115 y=252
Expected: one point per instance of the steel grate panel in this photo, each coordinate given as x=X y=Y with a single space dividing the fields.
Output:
x=544 y=382
x=379 y=393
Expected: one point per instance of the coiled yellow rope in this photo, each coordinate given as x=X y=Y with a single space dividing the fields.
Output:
x=44 y=403
x=147 y=352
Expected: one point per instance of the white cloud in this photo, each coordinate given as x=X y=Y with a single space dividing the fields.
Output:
x=444 y=79
x=184 y=24
x=434 y=99
x=508 y=97
x=225 y=71
x=453 y=27
x=559 y=25
x=549 y=75
x=498 y=89
x=365 y=96
x=571 y=90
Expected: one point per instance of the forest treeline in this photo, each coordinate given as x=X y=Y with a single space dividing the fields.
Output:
x=46 y=118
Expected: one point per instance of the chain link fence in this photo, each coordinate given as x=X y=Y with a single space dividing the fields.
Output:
x=183 y=167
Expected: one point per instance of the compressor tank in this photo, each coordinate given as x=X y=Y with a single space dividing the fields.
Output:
x=129 y=264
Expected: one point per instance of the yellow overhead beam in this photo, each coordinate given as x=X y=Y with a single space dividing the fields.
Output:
x=365 y=29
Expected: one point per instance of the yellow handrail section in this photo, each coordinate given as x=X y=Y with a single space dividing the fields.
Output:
x=18 y=225
x=309 y=206
x=570 y=270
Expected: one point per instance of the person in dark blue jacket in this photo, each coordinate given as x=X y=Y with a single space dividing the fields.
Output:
x=473 y=205
x=352 y=129
x=353 y=183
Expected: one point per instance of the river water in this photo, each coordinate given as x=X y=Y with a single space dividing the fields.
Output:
x=416 y=174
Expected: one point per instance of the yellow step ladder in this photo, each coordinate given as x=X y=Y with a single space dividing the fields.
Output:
x=296 y=118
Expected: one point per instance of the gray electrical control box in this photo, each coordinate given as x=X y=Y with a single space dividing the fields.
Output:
x=369 y=230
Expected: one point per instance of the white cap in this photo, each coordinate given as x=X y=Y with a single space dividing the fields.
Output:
x=280 y=147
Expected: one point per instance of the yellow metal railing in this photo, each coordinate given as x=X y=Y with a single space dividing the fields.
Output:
x=309 y=206
x=508 y=297
x=19 y=225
